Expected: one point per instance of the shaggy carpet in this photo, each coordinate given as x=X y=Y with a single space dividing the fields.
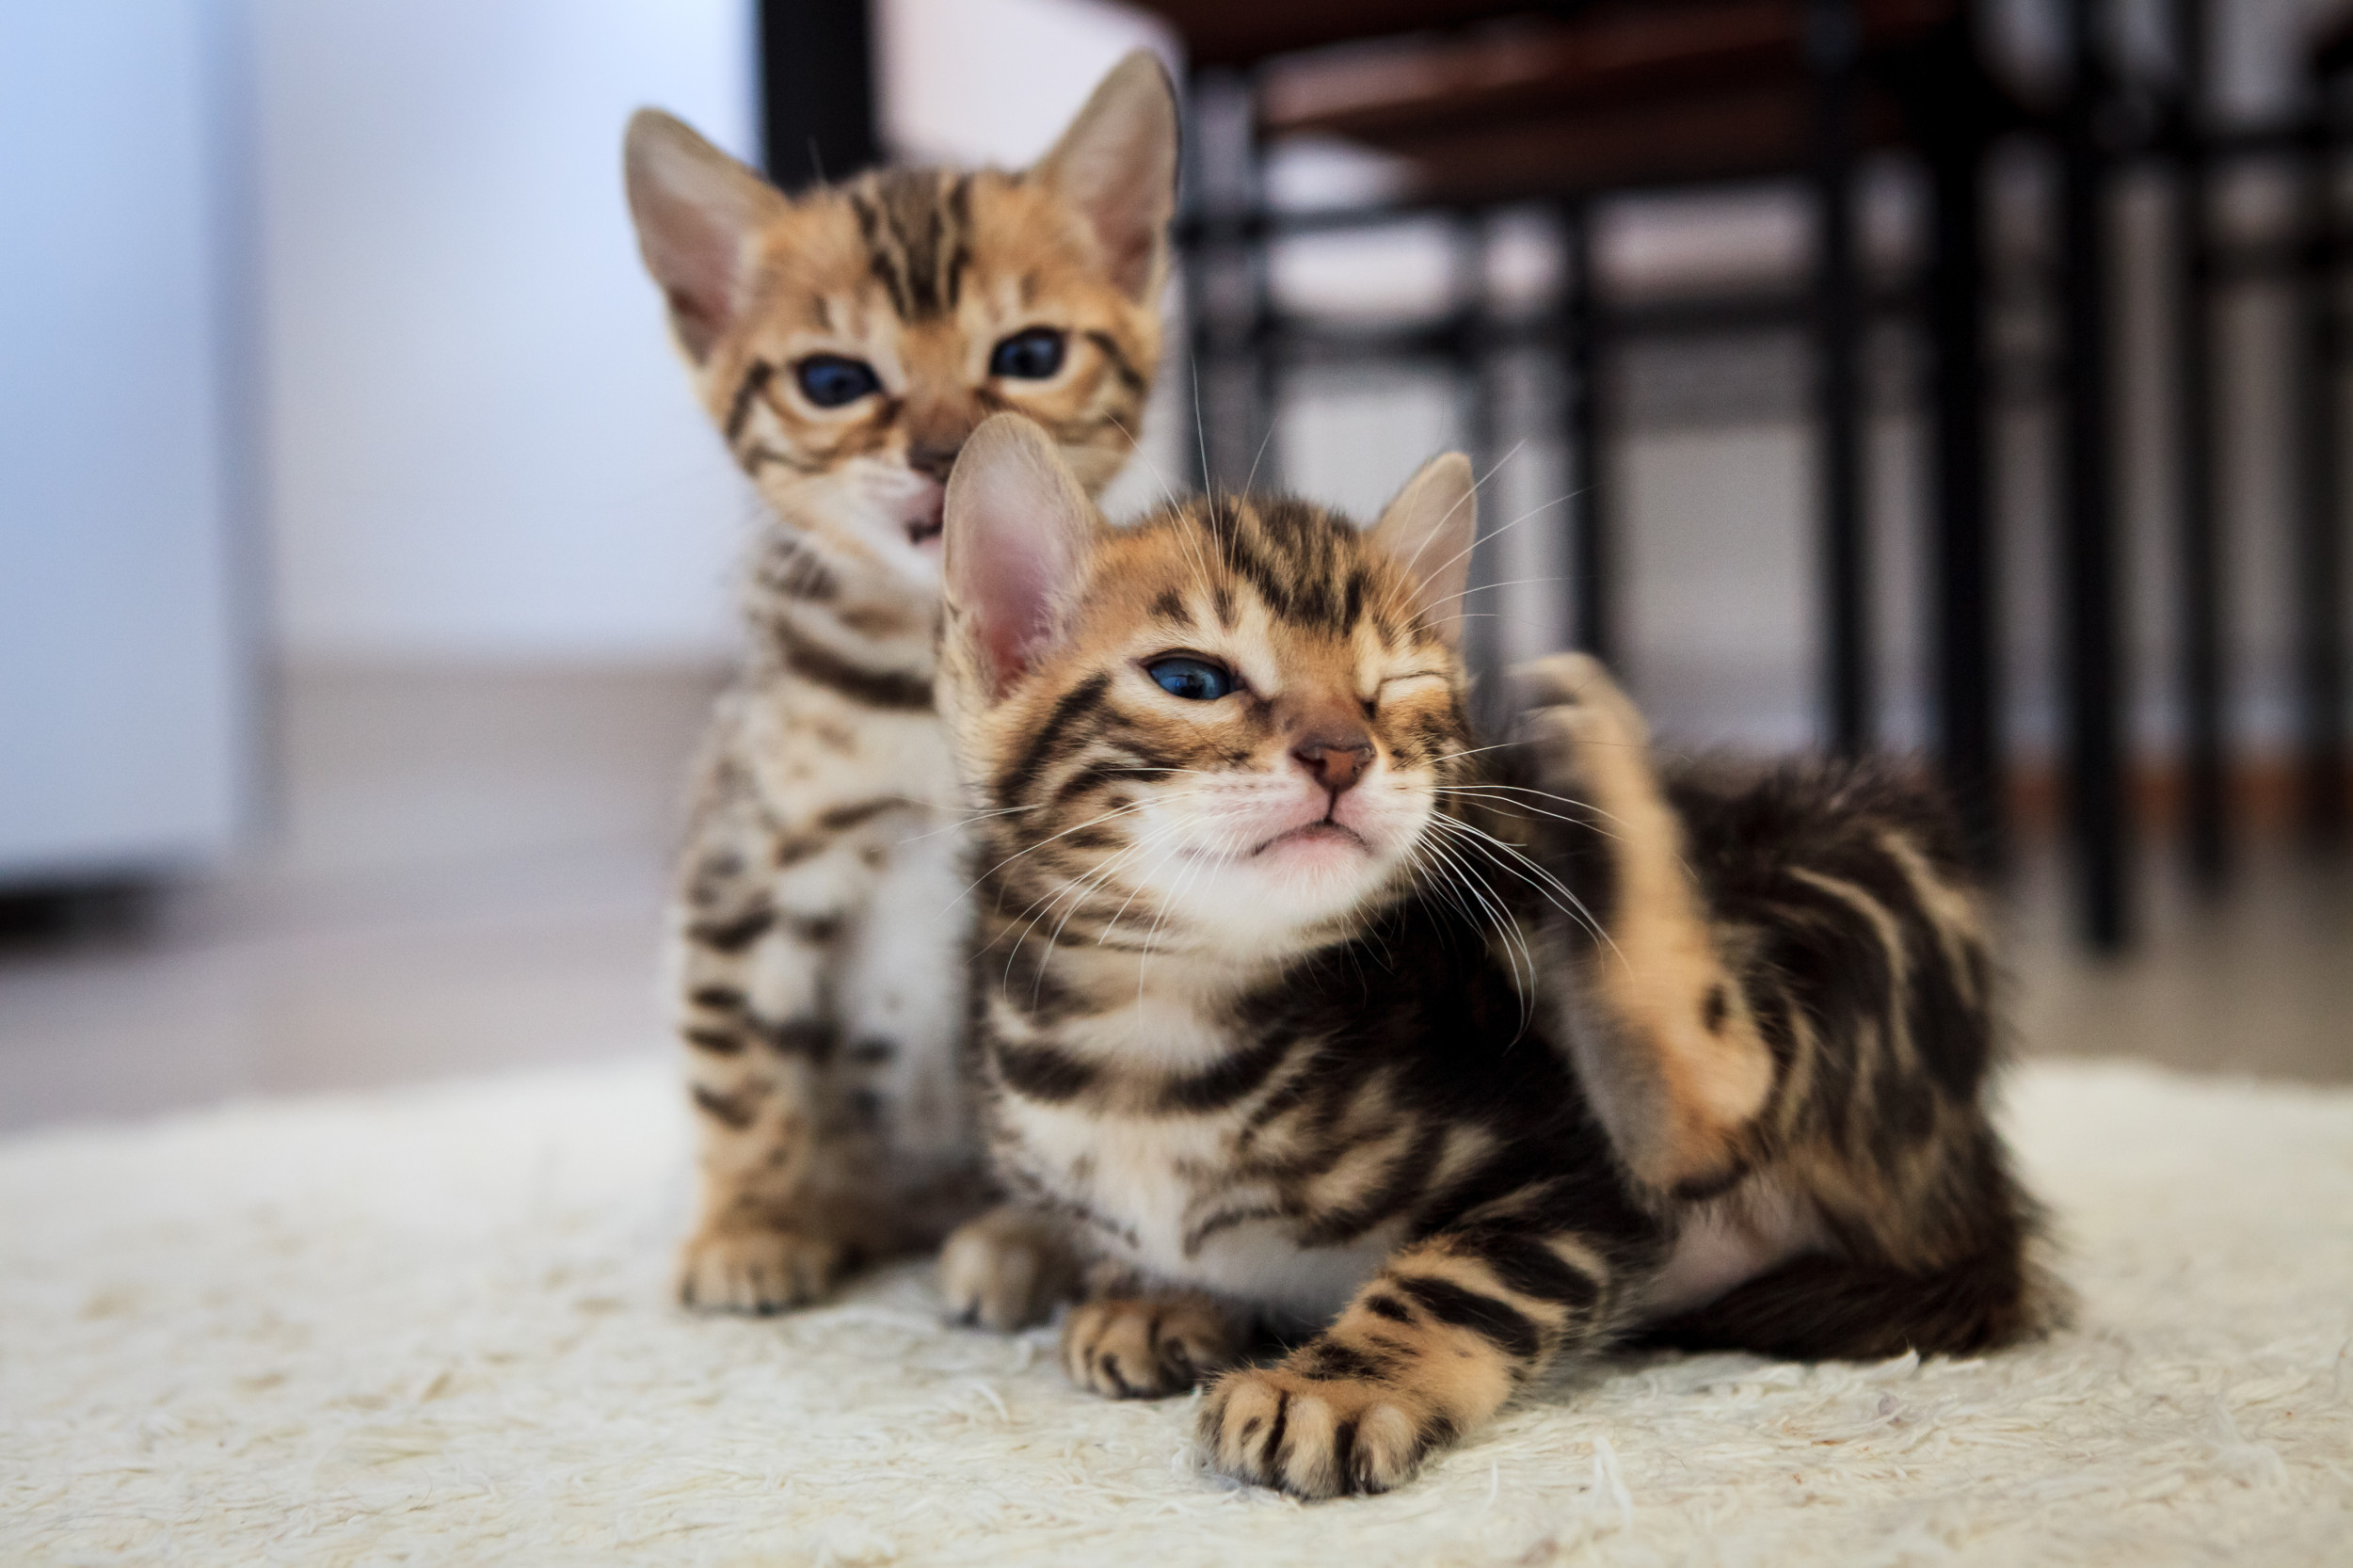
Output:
x=430 y=1326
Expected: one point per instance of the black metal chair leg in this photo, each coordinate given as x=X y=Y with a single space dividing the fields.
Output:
x=1967 y=605
x=1225 y=300
x=2206 y=763
x=2098 y=802
x=1592 y=621
x=817 y=90
x=1835 y=46
x=2320 y=565
x=1475 y=396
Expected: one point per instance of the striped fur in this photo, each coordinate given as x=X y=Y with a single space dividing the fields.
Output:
x=818 y=938
x=1471 y=1059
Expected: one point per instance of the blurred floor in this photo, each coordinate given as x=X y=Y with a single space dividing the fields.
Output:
x=465 y=873
x=553 y=959
x=457 y=971
x=2260 y=982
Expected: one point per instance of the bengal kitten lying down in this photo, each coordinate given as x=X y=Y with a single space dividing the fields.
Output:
x=846 y=340
x=1297 y=1012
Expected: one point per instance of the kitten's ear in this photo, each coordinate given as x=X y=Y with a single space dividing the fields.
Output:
x=1117 y=165
x=1428 y=529
x=1018 y=531
x=698 y=212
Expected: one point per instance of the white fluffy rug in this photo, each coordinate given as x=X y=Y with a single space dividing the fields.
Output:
x=430 y=1327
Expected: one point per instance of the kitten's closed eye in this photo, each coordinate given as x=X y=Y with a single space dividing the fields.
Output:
x=1028 y=355
x=830 y=380
x=1194 y=680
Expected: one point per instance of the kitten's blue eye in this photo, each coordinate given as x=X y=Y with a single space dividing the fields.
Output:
x=1194 y=680
x=829 y=380
x=1031 y=355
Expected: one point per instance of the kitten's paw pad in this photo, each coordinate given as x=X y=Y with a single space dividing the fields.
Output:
x=758 y=1270
x=1005 y=1269
x=1314 y=1437
x=1145 y=1348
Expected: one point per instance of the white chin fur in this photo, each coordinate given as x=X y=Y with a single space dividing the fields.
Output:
x=1249 y=896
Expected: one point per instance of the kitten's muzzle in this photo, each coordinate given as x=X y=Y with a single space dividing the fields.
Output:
x=1335 y=761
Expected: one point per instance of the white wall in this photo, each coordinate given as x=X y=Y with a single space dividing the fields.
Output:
x=481 y=443
x=995 y=81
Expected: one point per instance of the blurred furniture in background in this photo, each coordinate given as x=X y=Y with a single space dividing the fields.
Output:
x=1563 y=103
x=126 y=669
x=1496 y=104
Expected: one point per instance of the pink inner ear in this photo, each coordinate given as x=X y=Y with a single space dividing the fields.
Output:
x=696 y=259
x=1013 y=586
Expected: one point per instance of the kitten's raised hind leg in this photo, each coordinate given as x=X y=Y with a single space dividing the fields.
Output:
x=1660 y=1027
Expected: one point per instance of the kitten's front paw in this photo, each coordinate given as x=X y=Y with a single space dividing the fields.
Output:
x=1005 y=1269
x=756 y=1270
x=1148 y=1347
x=1314 y=1437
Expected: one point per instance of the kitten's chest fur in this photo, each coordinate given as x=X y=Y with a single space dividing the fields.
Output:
x=1186 y=1198
x=1275 y=1157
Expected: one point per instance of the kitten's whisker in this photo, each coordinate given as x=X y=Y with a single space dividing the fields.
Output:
x=1478 y=483
x=967 y=822
x=1200 y=427
x=1507 y=929
x=1264 y=442
x=1135 y=444
x=1505 y=528
x=1088 y=886
x=1483 y=587
x=1118 y=811
x=1530 y=872
x=1083 y=887
x=1159 y=914
x=1138 y=890
x=1076 y=891
x=1055 y=893
x=1484 y=794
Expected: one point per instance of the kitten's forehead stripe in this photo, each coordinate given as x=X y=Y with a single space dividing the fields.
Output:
x=916 y=225
x=880 y=261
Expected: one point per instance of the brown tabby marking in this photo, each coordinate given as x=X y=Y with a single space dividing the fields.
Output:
x=1297 y=1004
x=818 y=941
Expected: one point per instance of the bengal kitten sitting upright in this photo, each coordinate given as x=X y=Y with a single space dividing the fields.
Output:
x=846 y=340
x=1289 y=1019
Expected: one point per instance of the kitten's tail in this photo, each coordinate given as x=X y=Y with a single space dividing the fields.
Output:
x=1825 y=1308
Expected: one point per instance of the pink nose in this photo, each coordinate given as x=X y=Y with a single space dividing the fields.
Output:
x=1337 y=762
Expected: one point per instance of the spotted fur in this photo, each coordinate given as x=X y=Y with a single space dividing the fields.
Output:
x=1444 y=1061
x=818 y=936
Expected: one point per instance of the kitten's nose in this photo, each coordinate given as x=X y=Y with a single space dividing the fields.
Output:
x=1337 y=761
